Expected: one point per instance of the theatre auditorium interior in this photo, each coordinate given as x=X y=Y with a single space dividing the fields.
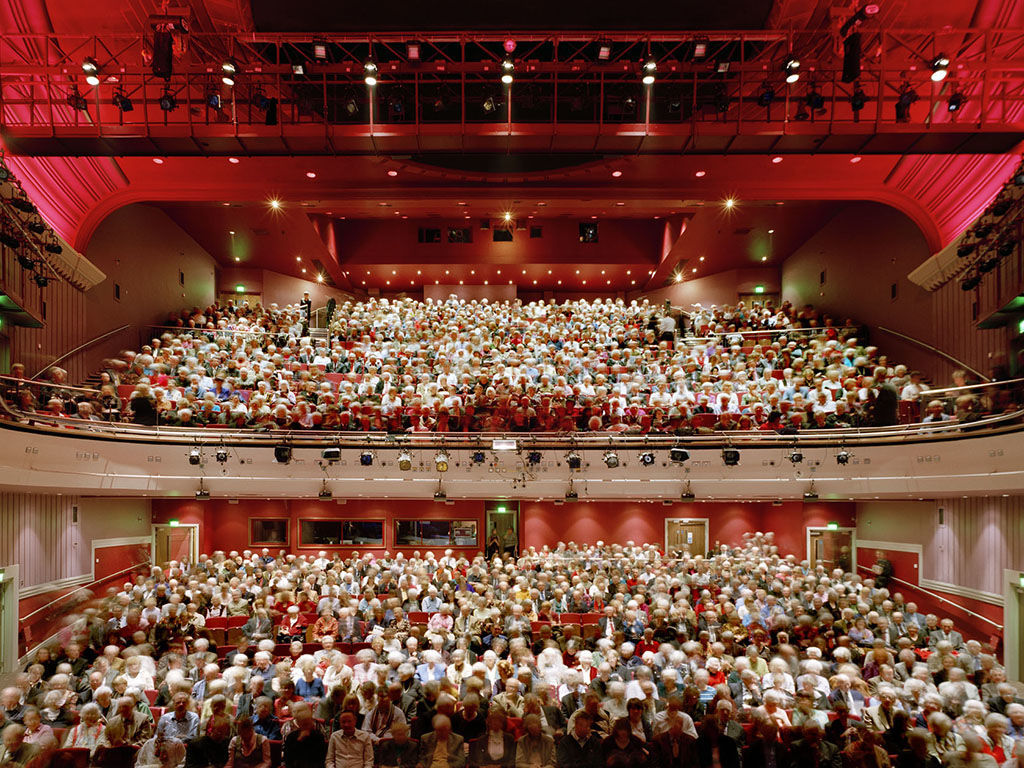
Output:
x=511 y=385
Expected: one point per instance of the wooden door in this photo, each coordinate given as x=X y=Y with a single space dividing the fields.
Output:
x=832 y=549
x=686 y=536
x=172 y=543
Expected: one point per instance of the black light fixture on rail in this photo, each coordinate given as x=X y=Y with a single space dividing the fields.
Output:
x=282 y=453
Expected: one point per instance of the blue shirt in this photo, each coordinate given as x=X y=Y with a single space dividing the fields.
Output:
x=170 y=727
x=309 y=690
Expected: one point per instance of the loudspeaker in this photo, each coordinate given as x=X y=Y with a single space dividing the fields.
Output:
x=163 y=59
x=851 y=58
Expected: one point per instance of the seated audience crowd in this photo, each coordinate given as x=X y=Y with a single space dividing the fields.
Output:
x=458 y=366
x=571 y=657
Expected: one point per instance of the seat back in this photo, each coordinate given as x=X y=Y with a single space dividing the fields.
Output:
x=70 y=757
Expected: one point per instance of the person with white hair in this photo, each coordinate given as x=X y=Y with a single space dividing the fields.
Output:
x=365 y=668
x=432 y=667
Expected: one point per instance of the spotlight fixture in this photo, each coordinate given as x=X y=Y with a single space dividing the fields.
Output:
x=221 y=455
x=55 y=248
x=843 y=457
x=214 y=100
x=366 y=459
x=815 y=101
x=767 y=94
x=604 y=52
x=791 y=68
x=41 y=280
x=91 y=70
x=370 y=73
x=955 y=101
x=795 y=456
x=325 y=492
x=77 y=101
x=228 y=70
x=573 y=460
x=195 y=457
x=440 y=495
x=122 y=102
x=331 y=454
x=37 y=227
x=940 y=68
x=4 y=173
x=282 y=453
x=679 y=454
x=903 y=103
x=687 y=494
x=10 y=241
x=478 y=457
x=730 y=457
x=650 y=67
x=298 y=69
x=983 y=230
x=969 y=284
x=441 y=461
x=1002 y=206
x=647 y=459
x=571 y=495
x=1005 y=248
x=203 y=494
x=23 y=205
x=810 y=494
x=507 y=68
x=320 y=50
x=405 y=461
x=987 y=264
x=611 y=459
x=167 y=102
x=858 y=99
x=965 y=249
x=533 y=458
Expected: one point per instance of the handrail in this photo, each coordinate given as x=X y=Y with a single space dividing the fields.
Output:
x=966 y=387
x=84 y=586
x=930 y=348
x=940 y=598
x=79 y=348
x=816 y=330
x=185 y=330
x=51 y=385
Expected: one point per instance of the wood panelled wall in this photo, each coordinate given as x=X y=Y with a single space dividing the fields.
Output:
x=978 y=539
x=956 y=332
x=38 y=534
x=64 y=330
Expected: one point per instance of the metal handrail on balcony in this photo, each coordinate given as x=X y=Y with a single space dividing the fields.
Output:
x=934 y=350
x=940 y=598
x=81 y=348
x=88 y=586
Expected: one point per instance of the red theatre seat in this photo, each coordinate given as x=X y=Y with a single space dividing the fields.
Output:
x=590 y=618
x=569 y=618
x=418 y=617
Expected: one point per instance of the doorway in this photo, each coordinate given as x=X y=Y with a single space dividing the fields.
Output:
x=501 y=532
x=9 y=582
x=832 y=548
x=686 y=534
x=175 y=542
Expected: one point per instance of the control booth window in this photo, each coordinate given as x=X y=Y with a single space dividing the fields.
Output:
x=320 y=533
x=436 y=533
x=262 y=531
x=363 y=533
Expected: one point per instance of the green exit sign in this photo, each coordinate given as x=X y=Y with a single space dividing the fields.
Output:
x=833 y=526
x=758 y=289
x=1020 y=326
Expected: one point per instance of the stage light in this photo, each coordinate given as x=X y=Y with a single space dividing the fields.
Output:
x=507 y=68
x=412 y=51
x=687 y=494
x=983 y=230
x=213 y=100
x=1018 y=177
x=55 y=248
x=533 y=458
x=282 y=453
x=489 y=104
x=195 y=457
x=77 y=101
x=91 y=70
x=366 y=459
x=37 y=227
x=275 y=204
x=767 y=94
x=478 y=457
x=440 y=496
x=405 y=461
x=955 y=101
x=858 y=99
x=903 y=102
x=441 y=461
x=970 y=283
x=1005 y=248
x=611 y=459
x=370 y=73
x=298 y=70
x=730 y=457
x=41 y=280
x=730 y=202
x=122 y=102
x=221 y=455
x=573 y=460
x=650 y=67
x=320 y=51
x=965 y=249
x=167 y=102
x=260 y=101
x=988 y=264
x=228 y=70
x=647 y=459
x=10 y=241
x=331 y=454
x=23 y=205
x=325 y=493
x=1001 y=206
x=5 y=174
x=791 y=68
x=815 y=100
x=810 y=494
x=604 y=52
x=795 y=456
x=679 y=455
x=940 y=68
x=843 y=457
x=203 y=494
